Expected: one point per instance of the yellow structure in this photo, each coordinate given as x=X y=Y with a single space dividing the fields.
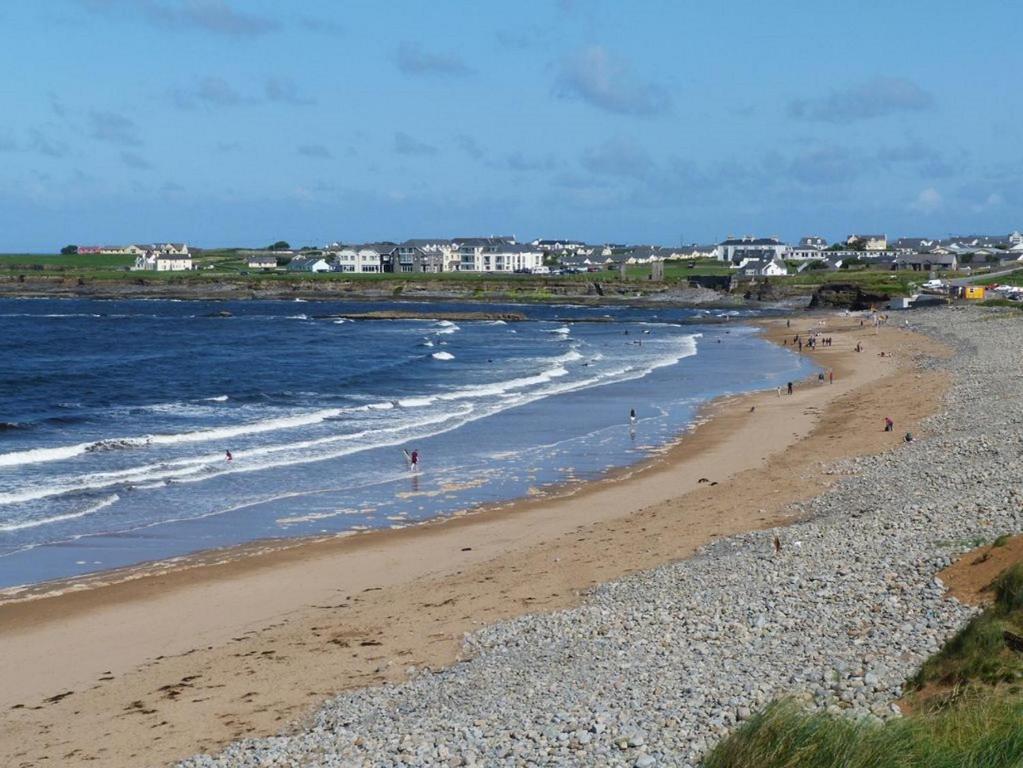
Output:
x=974 y=292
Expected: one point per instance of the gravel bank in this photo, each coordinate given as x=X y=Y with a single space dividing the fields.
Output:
x=653 y=669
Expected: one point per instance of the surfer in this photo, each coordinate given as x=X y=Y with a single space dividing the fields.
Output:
x=228 y=456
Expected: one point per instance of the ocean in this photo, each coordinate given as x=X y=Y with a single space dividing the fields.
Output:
x=116 y=416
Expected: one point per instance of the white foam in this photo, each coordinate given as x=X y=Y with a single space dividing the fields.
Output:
x=58 y=518
x=217 y=399
x=442 y=356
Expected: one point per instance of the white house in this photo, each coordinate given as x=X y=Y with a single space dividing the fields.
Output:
x=178 y=249
x=869 y=242
x=517 y=258
x=763 y=268
x=736 y=249
x=477 y=254
x=361 y=259
x=308 y=264
x=173 y=262
x=261 y=261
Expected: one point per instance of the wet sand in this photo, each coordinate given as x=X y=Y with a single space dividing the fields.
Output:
x=185 y=657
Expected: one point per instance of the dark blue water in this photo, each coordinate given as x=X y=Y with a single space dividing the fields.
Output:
x=115 y=417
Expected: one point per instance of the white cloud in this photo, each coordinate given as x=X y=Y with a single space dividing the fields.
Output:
x=928 y=201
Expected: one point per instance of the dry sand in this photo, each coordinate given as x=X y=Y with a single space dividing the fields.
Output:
x=169 y=661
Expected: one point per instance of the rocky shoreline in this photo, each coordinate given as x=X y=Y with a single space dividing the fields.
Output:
x=653 y=669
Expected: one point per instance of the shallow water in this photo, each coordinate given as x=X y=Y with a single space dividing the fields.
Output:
x=116 y=416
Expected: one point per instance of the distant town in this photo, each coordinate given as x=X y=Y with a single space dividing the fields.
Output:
x=748 y=255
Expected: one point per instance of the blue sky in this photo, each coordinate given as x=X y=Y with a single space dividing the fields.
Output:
x=246 y=121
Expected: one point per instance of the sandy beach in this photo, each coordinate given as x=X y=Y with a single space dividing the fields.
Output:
x=152 y=665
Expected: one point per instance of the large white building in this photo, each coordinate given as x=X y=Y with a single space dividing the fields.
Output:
x=735 y=249
x=361 y=259
x=496 y=254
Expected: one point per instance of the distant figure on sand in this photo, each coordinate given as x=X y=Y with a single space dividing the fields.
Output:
x=790 y=387
x=909 y=437
x=889 y=425
x=229 y=456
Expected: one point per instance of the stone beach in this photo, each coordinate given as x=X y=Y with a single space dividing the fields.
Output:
x=652 y=669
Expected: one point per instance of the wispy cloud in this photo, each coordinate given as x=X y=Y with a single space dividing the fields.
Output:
x=469 y=146
x=214 y=16
x=314 y=150
x=618 y=157
x=114 y=128
x=44 y=145
x=283 y=90
x=878 y=97
x=208 y=92
x=135 y=160
x=321 y=25
x=517 y=161
x=914 y=154
x=408 y=145
x=928 y=201
x=413 y=60
x=594 y=76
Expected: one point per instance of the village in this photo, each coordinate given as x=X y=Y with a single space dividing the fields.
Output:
x=747 y=256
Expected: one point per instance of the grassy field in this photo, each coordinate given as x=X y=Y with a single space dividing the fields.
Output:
x=900 y=283
x=86 y=262
x=972 y=716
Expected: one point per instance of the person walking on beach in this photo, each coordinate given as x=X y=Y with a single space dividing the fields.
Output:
x=820 y=377
x=790 y=387
x=831 y=377
x=413 y=460
x=889 y=425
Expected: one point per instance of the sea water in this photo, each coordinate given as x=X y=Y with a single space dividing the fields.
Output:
x=116 y=416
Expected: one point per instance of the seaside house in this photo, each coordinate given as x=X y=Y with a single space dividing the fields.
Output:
x=361 y=259
x=410 y=258
x=308 y=264
x=927 y=261
x=265 y=261
x=476 y=254
x=763 y=268
x=736 y=249
x=155 y=261
x=809 y=247
x=867 y=242
x=173 y=262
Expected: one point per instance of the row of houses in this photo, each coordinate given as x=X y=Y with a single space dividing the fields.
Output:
x=135 y=249
x=498 y=254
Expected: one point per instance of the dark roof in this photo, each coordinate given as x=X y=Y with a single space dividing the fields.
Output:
x=751 y=241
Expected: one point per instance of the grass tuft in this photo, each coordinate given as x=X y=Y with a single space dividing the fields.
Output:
x=983 y=732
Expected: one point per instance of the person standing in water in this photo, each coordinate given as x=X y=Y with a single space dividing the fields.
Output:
x=228 y=456
x=413 y=461
x=632 y=416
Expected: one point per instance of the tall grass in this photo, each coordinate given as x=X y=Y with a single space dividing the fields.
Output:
x=978 y=653
x=986 y=732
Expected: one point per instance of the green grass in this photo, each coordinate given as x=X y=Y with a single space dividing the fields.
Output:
x=892 y=283
x=85 y=262
x=978 y=653
x=985 y=732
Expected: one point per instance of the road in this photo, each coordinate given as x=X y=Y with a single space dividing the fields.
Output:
x=985 y=276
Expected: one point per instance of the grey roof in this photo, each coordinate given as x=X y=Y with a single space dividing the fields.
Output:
x=866 y=237
x=172 y=256
x=813 y=241
x=751 y=241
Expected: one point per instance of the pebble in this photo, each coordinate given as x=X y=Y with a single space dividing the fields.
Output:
x=654 y=668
